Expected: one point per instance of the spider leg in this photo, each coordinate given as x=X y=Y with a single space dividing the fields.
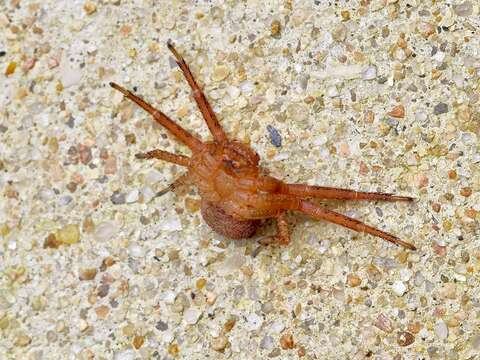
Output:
x=264 y=203
x=202 y=102
x=321 y=192
x=322 y=213
x=282 y=237
x=183 y=135
x=165 y=156
x=178 y=182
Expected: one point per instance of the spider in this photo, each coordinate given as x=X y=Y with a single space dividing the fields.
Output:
x=236 y=193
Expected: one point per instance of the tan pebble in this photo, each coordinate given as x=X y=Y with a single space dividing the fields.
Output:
x=414 y=327
x=353 y=280
x=102 y=311
x=200 y=284
x=247 y=270
x=220 y=73
x=51 y=242
x=83 y=325
x=173 y=349
x=466 y=191
x=286 y=341
x=182 y=111
x=298 y=310
x=405 y=338
x=397 y=112
x=191 y=204
x=447 y=225
x=471 y=213
x=275 y=28
x=229 y=324
x=89 y=7
x=452 y=322
x=88 y=226
x=4 y=323
x=110 y=166
x=220 y=343
x=345 y=15
x=69 y=234
x=449 y=291
x=138 y=341
x=128 y=330
x=425 y=28
x=211 y=298
x=22 y=340
x=88 y=274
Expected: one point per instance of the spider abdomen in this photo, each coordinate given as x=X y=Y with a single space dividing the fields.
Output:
x=225 y=224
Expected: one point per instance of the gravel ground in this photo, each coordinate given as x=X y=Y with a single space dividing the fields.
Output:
x=377 y=95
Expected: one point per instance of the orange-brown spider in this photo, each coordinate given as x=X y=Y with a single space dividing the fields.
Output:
x=236 y=193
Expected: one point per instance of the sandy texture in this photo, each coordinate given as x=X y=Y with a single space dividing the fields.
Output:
x=379 y=95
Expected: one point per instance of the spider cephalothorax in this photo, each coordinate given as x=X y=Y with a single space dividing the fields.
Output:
x=236 y=194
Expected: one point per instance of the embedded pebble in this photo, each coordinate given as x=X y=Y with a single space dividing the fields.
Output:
x=220 y=343
x=369 y=73
x=332 y=91
x=399 y=288
x=440 y=108
x=192 y=315
x=254 y=322
x=275 y=137
x=70 y=76
x=105 y=231
x=132 y=196
x=117 y=198
x=464 y=9
x=136 y=250
x=441 y=330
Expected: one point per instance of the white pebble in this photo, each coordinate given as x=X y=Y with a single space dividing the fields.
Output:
x=169 y=297
x=277 y=327
x=167 y=336
x=171 y=223
x=124 y=355
x=254 y=322
x=405 y=274
x=153 y=176
x=399 y=288
x=191 y=315
x=233 y=92
x=70 y=76
x=369 y=73
x=332 y=91
x=136 y=251
x=105 y=231
x=132 y=196
x=441 y=330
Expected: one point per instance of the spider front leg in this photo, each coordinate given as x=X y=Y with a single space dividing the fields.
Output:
x=283 y=236
x=323 y=192
x=165 y=156
x=322 y=213
x=200 y=98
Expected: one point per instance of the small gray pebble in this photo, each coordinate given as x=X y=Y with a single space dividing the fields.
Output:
x=440 y=108
x=267 y=343
x=118 y=198
x=162 y=326
x=275 y=137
